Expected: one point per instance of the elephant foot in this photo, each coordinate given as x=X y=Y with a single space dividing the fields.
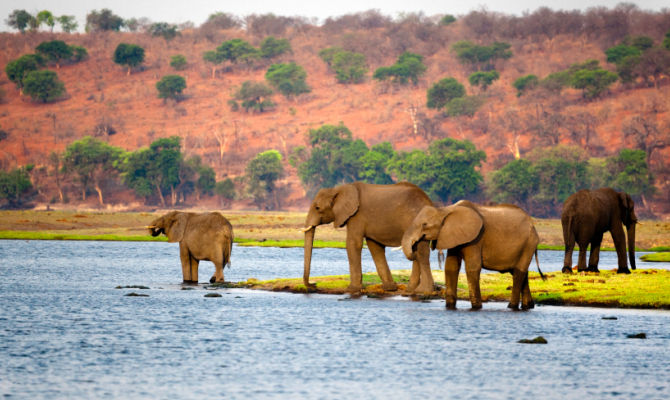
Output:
x=623 y=271
x=528 y=306
x=389 y=286
x=476 y=307
x=513 y=307
x=354 y=288
x=593 y=269
x=451 y=306
x=189 y=282
x=566 y=270
x=212 y=279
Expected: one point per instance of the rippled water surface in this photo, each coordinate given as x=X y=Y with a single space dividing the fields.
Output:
x=65 y=332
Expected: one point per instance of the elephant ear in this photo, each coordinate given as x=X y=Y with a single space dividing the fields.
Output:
x=345 y=204
x=627 y=208
x=461 y=225
x=177 y=227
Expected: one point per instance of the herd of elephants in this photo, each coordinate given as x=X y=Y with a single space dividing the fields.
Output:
x=495 y=237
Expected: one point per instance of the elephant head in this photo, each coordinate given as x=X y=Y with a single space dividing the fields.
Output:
x=445 y=228
x=172 y=224
x=335 y=205
x=629 y=219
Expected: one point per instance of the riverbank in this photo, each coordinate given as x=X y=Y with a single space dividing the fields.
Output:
x=643 y=289
x=252 y=228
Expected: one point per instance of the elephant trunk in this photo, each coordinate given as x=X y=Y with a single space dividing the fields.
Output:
x=631 y=243
x=408 y=241
x=309 y=242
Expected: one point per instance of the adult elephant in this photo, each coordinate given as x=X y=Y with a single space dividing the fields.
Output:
x=377 y=213
x=206 y=236
x=587 y=215
x=500 y=238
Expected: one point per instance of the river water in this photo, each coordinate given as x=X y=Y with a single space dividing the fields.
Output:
x=66 y=332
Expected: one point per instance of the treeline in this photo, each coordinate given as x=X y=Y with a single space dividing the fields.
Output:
x=158 y=175
x=449 y=170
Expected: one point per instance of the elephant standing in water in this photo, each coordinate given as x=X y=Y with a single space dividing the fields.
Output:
x=377 y=213
x=500 y=238
x=207 y=236
x=587 y=215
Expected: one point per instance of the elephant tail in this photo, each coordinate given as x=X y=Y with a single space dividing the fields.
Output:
x=537 y=261
x=228 y=250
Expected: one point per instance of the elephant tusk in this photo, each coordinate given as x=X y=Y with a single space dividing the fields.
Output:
x=396 y=248
x=150 y=226
x=308 y=228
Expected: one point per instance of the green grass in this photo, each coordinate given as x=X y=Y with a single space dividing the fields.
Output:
x=31 y=235
x=288 y=243
x=657 y=257
x=641 y=289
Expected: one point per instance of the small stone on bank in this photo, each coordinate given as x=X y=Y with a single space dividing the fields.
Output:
x=212 y=295
x=133 y=294
x=640 y=335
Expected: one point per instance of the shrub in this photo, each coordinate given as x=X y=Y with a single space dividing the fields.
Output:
x=255 y=96
x=444 y=91
x=409 y=66
x=288 y=79
x=171 y=87
x=524 y=83
x=178 y=62
x=271 y=47
x=467 y=106
x=43 y=86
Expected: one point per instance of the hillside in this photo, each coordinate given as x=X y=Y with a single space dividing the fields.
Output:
x=100 y=94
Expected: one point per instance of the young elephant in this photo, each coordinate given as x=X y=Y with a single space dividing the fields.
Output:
x=500 y=238
x=207 y=236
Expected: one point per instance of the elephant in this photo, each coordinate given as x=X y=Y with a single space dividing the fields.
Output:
x=499 y=237
x=206 y=236
x=587 y=215
x=377 y=213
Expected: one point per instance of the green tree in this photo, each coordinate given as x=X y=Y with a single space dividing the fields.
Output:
x=484 y=79
x=666 y=41
x=18 y=69
x=262 y=173
x=55 y=51
x=67 y=23
x=213 y=57
x=15 y=186
x=94 y=163
x=328 y=54
x=238 y=50
x=349 y=67
x=630 y=173
x=334 y=158
x=255 y=96
x=103 y=20
x=593 y=82
x=43 y=86
x=225 y=189
x=47 y=18
x=525 y=83
x=375 y=164
x=79 y=53
x=481 y=57
x=178 y=62
x=514 y=183
x=288 y=79
x=447 y=19
x=618 y=53
x=409 y=66
x=272 y=47
x=444 y=91
x=155 y=169
x=446 y=172
x=19 y=19
x=163 y=29
x=466 y=105
x=130 y=55
x=171 y=87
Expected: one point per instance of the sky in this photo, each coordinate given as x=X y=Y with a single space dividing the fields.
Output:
x=197 y=11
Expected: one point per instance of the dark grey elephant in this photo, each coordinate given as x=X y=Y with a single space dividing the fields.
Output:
x=206 y=236
x=587 y=215
x=500 y=238
x=380 y=214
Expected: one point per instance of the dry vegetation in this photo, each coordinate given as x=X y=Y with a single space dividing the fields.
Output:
x=100 y=95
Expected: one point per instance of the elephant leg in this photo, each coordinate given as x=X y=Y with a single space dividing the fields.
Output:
x=379 y=257
x=451 y=267
x=581 y=263
x=594 y=256
x=218 y=273
x=354 y=247
x=186 y=265
x=422 y=263
x=526 y=298
x=567 y=259
x=522 y=265
x=619 y=239
x=519 y=280
x=473 y=267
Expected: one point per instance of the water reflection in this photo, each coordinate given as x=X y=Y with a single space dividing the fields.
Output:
x=65 y=332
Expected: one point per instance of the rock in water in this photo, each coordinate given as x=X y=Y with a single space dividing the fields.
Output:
x=537 y=340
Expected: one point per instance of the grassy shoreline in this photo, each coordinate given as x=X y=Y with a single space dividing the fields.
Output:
x=643 y=289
